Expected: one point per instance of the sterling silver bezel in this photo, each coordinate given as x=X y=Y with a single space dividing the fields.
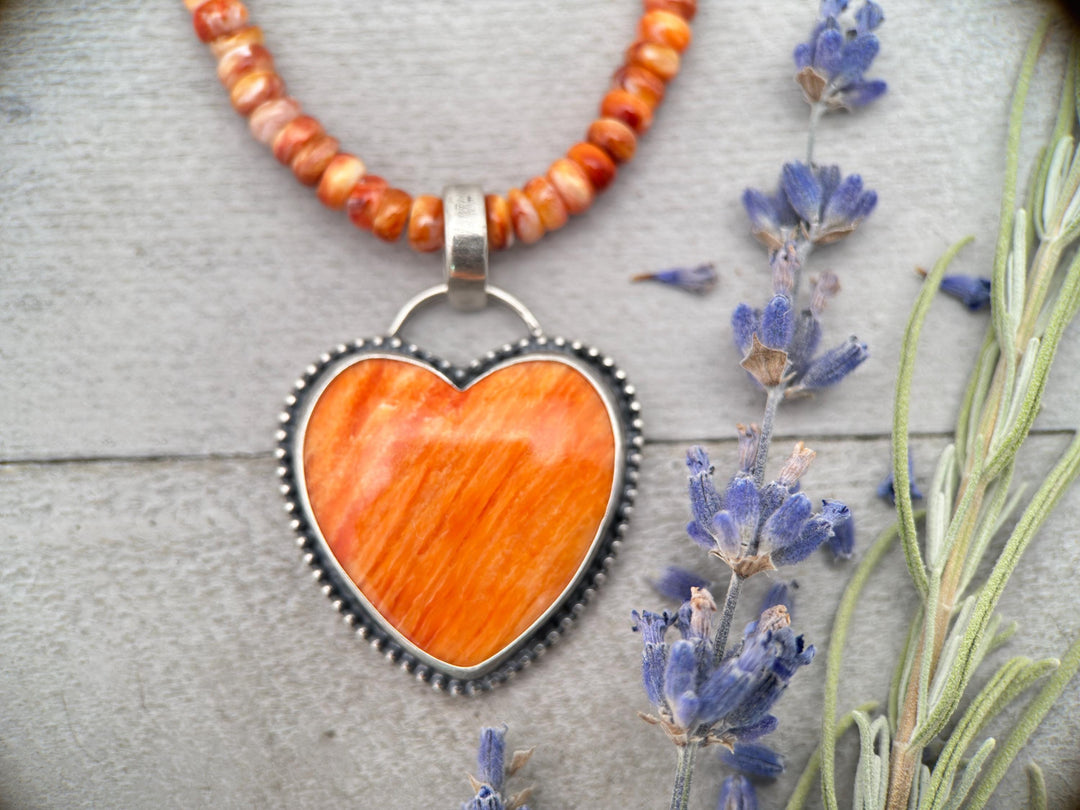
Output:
x=623 y=409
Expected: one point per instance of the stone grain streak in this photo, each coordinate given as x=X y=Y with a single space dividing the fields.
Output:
x=460 y=515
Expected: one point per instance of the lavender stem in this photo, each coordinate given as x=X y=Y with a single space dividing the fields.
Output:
x=816 y=111
x=684 y=772
x=772 y=402
x=732 y=598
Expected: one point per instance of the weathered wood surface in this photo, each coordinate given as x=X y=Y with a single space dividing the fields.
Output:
x=164 y=644
x=164 y=280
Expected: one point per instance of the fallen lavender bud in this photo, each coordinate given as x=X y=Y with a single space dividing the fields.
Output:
x=697 y=280
x=972 y=291
x=887 y=488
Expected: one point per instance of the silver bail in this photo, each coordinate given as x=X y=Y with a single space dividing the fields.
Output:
x=466 y=252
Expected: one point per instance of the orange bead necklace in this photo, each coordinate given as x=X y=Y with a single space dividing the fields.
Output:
x=542 y=204
x=459 y=517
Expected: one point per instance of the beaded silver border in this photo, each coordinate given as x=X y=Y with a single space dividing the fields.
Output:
x=344 y=594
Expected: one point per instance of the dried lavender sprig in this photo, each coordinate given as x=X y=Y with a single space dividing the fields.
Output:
x=753 y=526
x=699 y=701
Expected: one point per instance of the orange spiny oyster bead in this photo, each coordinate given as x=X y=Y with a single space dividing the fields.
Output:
x=253 y=89
x=216 y=18
x=500 y=228
x=338 y=180
x=614 y=137
x=528 y=227
x=248 y=35
x=572 y=184
x=665 y=28
x=684 y=8
x=364 y=200
x=392 y=215
x=241 y=60
x=269 y=118
x=313 y=157
x=640 y=82
x=294 y=135
x=628 y=108
x=246 y=68
x=426 y=224
x=595 y=162
x=663 y=60
x=548 y=203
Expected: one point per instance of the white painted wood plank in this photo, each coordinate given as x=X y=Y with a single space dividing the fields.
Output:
x=164 y=280
x=163 y=644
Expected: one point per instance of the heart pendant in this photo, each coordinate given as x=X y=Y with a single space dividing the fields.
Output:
x=460 y=517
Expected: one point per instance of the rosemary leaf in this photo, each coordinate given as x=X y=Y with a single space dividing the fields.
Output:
x=1012 y=151
x=810 y=772
x=971 y=773
x=1012 y=678
x=1063 y=474
x=1036 y=787
x=901 y=411
x=1026 y=724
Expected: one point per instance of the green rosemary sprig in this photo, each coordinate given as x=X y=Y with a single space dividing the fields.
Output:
x=1035 y=294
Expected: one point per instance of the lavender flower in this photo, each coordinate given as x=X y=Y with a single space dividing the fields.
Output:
x=769 y=646
x=772 y=219
x=780 y=593
x=752 y=528
x=676 y=583
x=813 y=203
x=485 y=799
x=766 y=725
x=842 y=543
x=801 y=372
x=829 y=206
x=887 y=488
x=653 y=627
x=832 y=63
x=745 y=323
x=490 y=757
x=737 y=793
x=698 y=280
x=830 y=367
x=756 y=760
x=791 y=342
x=701 y=701
x=973 y=291
x=749 y=439
x=813 y=206
x=777 y=325
x=493 y=770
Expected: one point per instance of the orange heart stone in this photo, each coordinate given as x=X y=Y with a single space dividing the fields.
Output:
x=462 y=516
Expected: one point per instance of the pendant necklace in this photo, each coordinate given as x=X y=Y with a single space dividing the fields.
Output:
x=459 y=517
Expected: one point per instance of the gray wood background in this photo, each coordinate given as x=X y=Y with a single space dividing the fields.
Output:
x=163 y=281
